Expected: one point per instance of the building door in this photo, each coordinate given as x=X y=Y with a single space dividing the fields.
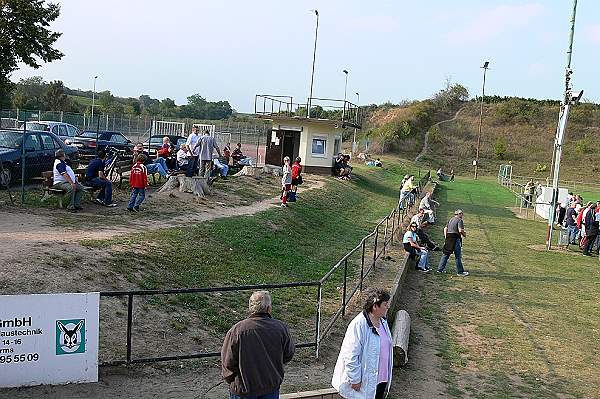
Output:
x=273 y=156
x=291 y=145
x=282 y=143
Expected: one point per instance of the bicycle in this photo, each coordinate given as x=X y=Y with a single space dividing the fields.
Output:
x=112 y=156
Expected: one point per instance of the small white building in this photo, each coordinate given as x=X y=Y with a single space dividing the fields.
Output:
x=316 y=139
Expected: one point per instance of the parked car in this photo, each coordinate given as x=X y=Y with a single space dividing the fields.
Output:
x=156 y=142
x=86 y=142
x=65 y=131
x=39 y=154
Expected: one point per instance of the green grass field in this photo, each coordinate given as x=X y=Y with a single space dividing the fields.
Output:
x=299 y=243
x=525 y=323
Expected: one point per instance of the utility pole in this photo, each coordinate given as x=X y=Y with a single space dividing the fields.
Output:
x=357 y=111
x=93 y=98
x=312 y=75
x=568 y=101
x=485 y=68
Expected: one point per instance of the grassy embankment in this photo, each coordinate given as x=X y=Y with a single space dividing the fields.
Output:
x=524 y=324
x=299 y=243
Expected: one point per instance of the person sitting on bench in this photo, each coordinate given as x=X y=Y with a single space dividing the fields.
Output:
x=428 y=204
x=421 y=220
x=185 y=160
x=237 y=154
x=220 y=168
x=94 y=175
x=159 y=165
x=64 y=179
x=413 y=248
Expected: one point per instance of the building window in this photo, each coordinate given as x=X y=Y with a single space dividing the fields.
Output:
x=319 y=146
x=337 y=145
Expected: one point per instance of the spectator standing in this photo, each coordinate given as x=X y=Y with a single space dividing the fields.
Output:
x=64 y=179
x=407 y=189
x=286 y=181
x=591 y=230
x=572 y=223
x=138 y=181
x=192 y=143
x=364 y=366
x=411 y=245
x=94 y=174
x=255 y=350
x=528 y=191
x=296 y=173
x=207 y=144
x=451 y=174
x=454 y=233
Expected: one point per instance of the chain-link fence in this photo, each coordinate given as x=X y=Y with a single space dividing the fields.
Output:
x=26 y=170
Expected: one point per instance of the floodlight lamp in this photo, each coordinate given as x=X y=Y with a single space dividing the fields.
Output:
x=577 y=98
x=485 y=64
x=345 y=71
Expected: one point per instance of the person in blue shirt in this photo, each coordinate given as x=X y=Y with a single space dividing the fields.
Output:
x=411 y=245
x=95 y=176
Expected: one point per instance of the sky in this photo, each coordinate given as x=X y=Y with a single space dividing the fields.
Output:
x=394 y=50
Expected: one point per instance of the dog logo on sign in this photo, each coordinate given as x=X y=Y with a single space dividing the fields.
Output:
x=70 y=336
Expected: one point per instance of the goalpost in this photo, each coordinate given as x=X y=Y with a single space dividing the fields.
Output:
x=168 y=128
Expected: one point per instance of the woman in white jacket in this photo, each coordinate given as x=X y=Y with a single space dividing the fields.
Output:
x=364 y=365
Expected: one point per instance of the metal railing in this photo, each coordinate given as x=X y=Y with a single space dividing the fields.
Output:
x=349 y=114
x=369 y=251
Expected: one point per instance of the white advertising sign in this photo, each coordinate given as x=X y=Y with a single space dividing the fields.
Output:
x=48 y=339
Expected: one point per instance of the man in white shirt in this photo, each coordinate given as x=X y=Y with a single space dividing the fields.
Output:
x=193 y=142
x=64 y=179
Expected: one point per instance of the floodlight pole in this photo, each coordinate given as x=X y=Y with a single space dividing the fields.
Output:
x=312 y=75
x=93 y=98
x=568 y=100
x=357 y=110
x=485 y=68
x=345 y=90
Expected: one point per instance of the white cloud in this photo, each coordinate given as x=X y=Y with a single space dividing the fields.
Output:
x=493 y=22
x=593 y=33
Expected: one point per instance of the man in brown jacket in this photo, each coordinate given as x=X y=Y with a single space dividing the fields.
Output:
x=254 y=352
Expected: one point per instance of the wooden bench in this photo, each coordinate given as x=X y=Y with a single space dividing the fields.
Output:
x=121 y=167
x=47 y=183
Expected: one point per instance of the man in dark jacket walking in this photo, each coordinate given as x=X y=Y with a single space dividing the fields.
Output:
x=254 y=352
x=454 y=233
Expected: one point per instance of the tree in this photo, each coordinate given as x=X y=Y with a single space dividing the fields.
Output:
x=25 y=37
x=28 y=93
x=452 y=95
x=55 y=98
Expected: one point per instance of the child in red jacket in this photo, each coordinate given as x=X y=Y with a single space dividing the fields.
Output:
x=138 y=180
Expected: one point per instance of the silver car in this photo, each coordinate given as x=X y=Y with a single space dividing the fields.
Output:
x=64 y=131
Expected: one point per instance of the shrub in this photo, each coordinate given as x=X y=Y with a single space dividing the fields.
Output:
x=541 y=168
x=500 y=148
x=584 y=145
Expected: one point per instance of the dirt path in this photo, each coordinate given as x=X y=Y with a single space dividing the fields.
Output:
x=190 y=379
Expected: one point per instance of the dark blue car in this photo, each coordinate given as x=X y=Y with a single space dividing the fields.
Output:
x=87 y=142
x=39 y=154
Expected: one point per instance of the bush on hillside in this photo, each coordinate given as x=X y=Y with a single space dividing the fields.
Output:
x=516 y=110
x=584 y=145
x=500 y=148
x=450 y=96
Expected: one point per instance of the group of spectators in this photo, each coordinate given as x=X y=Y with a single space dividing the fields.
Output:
x=341 y=167
x=195 y=157
x=255 y=350
x=582 y=223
